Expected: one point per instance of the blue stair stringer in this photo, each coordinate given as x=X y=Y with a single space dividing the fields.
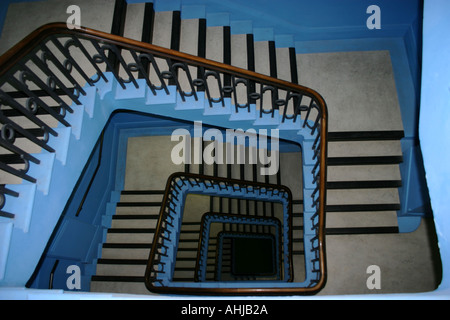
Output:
x=40 y=205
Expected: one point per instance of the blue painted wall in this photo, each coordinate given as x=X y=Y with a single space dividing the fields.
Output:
x=434 y=127
x=290 y=15
x=76 y=237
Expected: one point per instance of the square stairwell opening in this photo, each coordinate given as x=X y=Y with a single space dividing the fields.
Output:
x=253 y=255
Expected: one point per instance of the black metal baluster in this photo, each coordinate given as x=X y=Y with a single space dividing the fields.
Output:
x=5 y=191
x=158 y=73
x=25 y=133
x=117 y=28
x=34 y=99
x=51 y=92
x=111 y=66
x=226 y=60
x=65 y=70
x=100 y=73
x=69 y=59
x=175 y=45
x=201 y=52
x=4 y=97
x=147 y=34
x=53 y=80
x=219 y=83
x=142 y=67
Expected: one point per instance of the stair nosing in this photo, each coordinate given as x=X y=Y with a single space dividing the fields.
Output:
x=364 y=184
x=379 y=135
x=369 y=160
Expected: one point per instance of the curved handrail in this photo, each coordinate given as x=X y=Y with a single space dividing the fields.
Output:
x=15 y=59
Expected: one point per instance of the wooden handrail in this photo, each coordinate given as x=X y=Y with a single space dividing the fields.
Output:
x=19 y=52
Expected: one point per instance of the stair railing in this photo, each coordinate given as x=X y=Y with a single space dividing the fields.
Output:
x=45 y=73
x=162 y=259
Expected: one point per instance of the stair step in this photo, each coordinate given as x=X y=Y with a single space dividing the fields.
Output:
x=121 y=267
x=130 y=235
x=360 y=219
x=190 y=231
x=119 y=284
x=134 y=210
x=363 y=173
x=365 y=135
x=134 y=221
x=363 y=207
x=362 y=196
x=364 y=184
x=184 y=268
x=375 y=160
x=361 y=230
x=366 y=149
x=187 y=249
x=140 y=198
x=125 y=253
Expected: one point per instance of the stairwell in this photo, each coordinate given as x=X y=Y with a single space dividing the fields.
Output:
x=363 y=162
